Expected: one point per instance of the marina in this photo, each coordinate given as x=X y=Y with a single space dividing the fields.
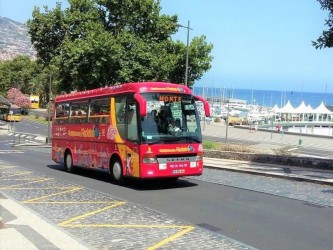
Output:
x=310 y=116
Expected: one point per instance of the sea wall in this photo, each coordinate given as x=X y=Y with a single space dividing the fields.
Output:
x=272 y=159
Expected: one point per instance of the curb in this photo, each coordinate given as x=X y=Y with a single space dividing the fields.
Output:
x=280 y=176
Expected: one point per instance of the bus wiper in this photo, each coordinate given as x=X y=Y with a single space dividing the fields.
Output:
x=155 y=142
x=195 y=140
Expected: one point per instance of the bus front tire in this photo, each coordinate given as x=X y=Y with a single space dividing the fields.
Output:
x=68 y=162
x=116 y=172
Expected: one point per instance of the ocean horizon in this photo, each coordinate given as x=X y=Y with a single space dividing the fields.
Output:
x=268 y=98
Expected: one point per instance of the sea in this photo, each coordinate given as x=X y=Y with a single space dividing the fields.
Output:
x=267 y=98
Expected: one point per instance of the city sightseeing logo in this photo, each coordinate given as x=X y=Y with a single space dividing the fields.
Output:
x=96 y=131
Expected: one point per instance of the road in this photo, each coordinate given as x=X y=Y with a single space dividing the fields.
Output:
x=261 y=212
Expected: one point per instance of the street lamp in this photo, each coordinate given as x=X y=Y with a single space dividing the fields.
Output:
x=48 y=140
x=187 y=47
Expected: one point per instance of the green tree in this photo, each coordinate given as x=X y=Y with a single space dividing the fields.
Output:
x=95 y=43
x=17 y=73
x=326 y=39
x=28 y=76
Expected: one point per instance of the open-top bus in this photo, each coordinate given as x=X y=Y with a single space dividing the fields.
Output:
x=141 y=130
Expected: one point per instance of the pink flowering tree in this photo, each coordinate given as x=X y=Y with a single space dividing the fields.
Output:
x=16 y=97
x=12 y=93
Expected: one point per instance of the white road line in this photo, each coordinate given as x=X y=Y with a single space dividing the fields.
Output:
x=11 y=152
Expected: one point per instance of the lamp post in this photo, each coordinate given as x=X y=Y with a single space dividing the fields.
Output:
x=187 y=48
x=227 y=124
x=48 y=140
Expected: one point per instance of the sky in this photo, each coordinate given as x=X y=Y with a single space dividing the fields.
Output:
x=258 y=44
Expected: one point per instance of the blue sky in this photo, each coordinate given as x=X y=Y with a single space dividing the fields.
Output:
x=258 y=44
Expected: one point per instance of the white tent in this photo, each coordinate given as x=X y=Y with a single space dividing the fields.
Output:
x=321 y=109
x=301 y=109
x=288 y=108
x=276 y=108
x=304 y=112
x=309 y=109
x=322 y=113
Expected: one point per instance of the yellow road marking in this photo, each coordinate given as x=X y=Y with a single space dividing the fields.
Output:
x=186 y=230
x=51 y=195
x=36 y=180
x=23 y=179
x=127 y=226
x=71 y=202
x=5 y=167
x=36 y=188
x=23 y=173
x=67 y=222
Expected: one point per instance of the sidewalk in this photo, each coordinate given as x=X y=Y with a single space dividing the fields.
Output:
x=21 y=228
x=318 y=176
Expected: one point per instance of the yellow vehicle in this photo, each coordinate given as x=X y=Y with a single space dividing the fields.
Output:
x=234 y=120
x=13 y=115
x=34 y=99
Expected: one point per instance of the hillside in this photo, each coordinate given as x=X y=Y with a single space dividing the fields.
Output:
x=14 y=40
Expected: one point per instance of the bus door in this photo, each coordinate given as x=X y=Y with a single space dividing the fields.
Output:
x=132 y=138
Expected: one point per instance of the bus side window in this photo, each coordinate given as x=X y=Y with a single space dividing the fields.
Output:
x=61 y=113
x=100 y=111
x=79 y=112
x=120 y=102
x=132 y=124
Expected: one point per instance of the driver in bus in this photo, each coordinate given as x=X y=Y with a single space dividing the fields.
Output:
x=172 y=127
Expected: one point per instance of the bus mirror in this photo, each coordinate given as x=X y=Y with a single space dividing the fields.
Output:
x=142 y=104
x=206 y=105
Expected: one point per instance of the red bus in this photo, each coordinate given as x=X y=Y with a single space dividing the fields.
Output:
x=143 y=130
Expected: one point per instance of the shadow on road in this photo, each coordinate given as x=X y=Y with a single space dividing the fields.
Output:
x=137 y=184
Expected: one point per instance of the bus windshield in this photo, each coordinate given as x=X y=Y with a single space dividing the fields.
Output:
x=171 y=118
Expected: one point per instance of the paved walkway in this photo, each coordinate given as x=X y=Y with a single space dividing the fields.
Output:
x=279 y=171
x=263 y=139
x=19 y=226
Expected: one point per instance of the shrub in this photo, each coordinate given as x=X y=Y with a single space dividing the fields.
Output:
x=210 y=145
x=237 y=148
x=283 y=151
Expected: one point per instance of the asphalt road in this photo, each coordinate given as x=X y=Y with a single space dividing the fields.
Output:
x=261 y=220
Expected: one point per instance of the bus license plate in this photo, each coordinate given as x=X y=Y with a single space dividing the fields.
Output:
x=178 y=171
x=178 y=165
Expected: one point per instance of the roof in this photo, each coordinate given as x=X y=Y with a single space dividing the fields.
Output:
x=304 y=109
x=288 y=108
x=139 y=87
x=4 y=101
x=276 y=108
x=321 y=109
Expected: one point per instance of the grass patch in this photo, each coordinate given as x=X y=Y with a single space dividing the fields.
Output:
x=210 y=145
x=238 y=148
x=36 y=118
x=284 y=151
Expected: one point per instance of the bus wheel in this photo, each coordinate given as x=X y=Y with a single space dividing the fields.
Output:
x=117 y=172
x=68 y=162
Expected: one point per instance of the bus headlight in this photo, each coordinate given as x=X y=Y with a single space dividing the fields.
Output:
x=149 y=158
x=200 y=156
